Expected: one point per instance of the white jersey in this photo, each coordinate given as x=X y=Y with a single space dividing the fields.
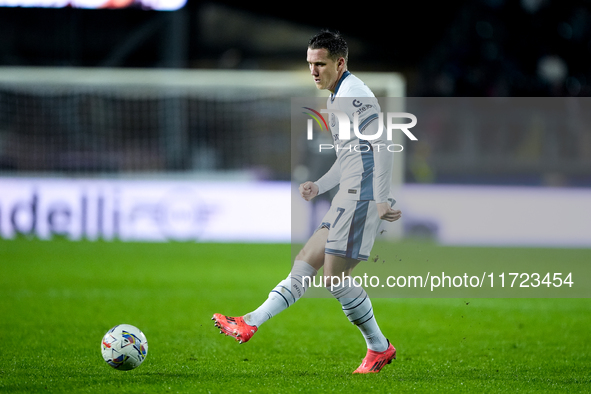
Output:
x=362 y=169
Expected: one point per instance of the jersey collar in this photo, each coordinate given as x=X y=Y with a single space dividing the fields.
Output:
x=333 y=95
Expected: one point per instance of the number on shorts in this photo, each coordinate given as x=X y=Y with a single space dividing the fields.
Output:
x=340 y=211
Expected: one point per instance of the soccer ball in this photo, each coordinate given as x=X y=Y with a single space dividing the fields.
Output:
x=124 y=347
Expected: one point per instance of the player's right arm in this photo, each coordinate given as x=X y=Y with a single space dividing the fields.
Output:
x=308 y=190
x=330 y=179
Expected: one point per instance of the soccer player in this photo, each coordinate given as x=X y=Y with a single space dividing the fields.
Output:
x=347 y=232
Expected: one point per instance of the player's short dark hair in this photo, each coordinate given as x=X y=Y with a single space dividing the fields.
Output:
x=333 y=42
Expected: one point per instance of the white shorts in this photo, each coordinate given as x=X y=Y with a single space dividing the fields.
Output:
x=352 y=228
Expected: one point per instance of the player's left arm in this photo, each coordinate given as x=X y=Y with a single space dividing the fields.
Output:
x=367 y=109
x=383 y=164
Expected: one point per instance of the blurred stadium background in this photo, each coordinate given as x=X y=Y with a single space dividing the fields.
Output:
x=97 y=103
x=136 y=124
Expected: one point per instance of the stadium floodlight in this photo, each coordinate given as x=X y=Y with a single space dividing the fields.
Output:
x=156 y=5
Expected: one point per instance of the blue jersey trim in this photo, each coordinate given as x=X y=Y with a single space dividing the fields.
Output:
x=356 y=229
x=333 y=95
x=367 y=121
x=366 y=192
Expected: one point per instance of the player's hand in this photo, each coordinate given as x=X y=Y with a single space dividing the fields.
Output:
x=386 y=212
x=308 y=190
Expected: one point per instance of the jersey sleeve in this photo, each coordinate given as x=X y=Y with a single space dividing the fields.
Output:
x=367 y=109
x=383 y=161
x=330 y=179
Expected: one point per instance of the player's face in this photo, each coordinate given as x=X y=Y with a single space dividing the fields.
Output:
x=324 y=70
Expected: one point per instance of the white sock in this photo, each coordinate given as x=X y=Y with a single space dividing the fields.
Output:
x=357 y=306
x=285 y=294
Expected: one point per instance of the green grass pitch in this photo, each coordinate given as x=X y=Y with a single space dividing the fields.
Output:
x=58 y=298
